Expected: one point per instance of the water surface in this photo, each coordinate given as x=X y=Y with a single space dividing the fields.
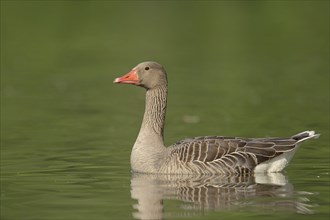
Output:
x=252 y=69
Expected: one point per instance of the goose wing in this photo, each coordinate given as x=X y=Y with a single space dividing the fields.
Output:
x=219 y=154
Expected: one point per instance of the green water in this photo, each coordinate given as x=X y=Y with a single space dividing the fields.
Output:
x=257 y=68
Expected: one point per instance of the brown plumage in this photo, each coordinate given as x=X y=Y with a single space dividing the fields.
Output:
x=200 y=155
x=231 y=154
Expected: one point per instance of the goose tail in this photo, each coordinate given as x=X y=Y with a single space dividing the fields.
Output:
x=305 y=135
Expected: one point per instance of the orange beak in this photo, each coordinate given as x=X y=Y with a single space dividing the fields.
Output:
x=129 y=78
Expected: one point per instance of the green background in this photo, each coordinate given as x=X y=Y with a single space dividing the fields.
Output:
x=243 y=68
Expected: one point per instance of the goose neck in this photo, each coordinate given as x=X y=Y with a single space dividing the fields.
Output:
x=155 y=110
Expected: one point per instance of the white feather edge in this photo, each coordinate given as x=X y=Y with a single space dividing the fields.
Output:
x=277 y=164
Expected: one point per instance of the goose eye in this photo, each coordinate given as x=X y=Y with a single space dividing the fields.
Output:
x=147 y=68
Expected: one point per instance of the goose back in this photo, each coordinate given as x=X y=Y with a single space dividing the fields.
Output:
x=228 y=155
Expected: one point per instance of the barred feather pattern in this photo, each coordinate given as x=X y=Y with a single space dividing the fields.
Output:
x=226 y=155
x=201 y=155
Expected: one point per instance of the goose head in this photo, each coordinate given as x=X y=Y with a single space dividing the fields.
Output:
x=148 y=74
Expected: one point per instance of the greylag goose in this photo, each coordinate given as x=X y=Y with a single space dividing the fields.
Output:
x=199 y=155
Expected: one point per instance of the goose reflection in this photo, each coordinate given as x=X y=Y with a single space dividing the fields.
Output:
x=207 y=193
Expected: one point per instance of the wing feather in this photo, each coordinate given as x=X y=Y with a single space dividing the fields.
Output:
x=229 y=154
